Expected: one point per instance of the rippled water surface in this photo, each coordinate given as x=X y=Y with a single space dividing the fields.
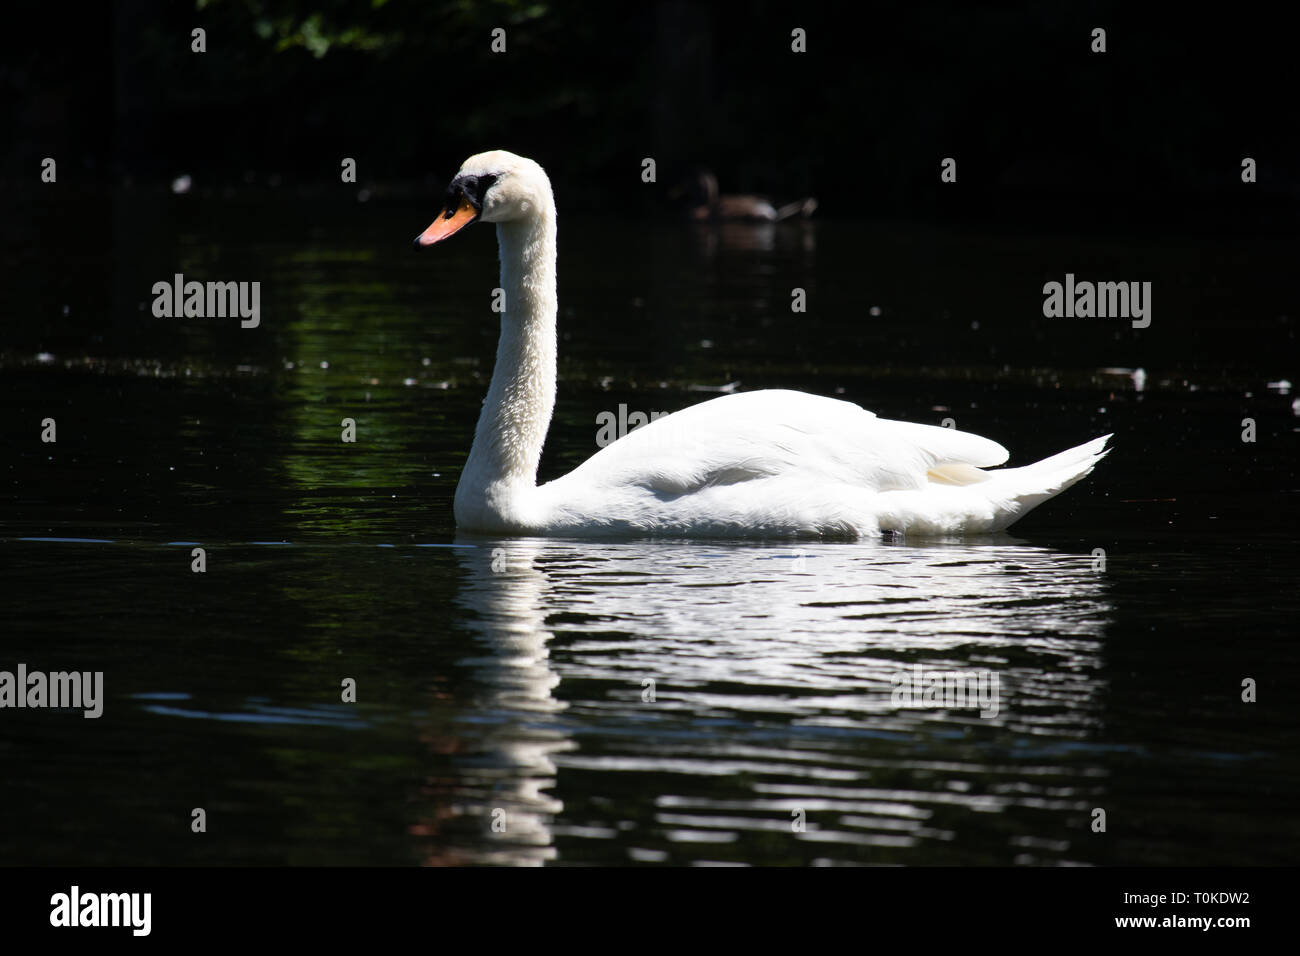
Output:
x=678 y=702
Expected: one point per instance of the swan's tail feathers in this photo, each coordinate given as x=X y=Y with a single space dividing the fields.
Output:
x=1017 y=491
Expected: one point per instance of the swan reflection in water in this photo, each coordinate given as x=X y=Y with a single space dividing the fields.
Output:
x=776 y=661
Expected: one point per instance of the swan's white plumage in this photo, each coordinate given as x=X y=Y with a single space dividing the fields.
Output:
x=768 y=463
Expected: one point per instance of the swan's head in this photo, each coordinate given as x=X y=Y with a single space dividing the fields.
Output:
x=495 y=186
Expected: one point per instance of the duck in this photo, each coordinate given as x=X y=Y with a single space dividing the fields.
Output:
x=769 y=463
x=704 y=202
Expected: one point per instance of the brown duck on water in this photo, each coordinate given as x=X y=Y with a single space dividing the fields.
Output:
x=704 y=202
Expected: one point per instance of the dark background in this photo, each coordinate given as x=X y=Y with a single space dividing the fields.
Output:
x=1149 y=134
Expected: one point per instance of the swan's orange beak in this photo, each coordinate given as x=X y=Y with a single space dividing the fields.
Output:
x=448 y=223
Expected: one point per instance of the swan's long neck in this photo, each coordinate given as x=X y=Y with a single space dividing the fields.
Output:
x=517 y=411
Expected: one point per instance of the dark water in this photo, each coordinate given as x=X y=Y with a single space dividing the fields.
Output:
x=507 y=679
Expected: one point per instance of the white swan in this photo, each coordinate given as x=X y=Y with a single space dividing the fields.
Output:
x=752 y=464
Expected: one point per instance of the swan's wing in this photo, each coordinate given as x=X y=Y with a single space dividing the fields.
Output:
x=767 y=434
x=947 y=446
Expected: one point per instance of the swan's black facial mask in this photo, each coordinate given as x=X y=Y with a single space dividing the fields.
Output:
x=463 y=205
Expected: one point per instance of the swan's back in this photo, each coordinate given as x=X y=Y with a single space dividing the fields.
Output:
x=778 y=463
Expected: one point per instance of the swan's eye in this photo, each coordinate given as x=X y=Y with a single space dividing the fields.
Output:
x=473 y=188
x=482 y=185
